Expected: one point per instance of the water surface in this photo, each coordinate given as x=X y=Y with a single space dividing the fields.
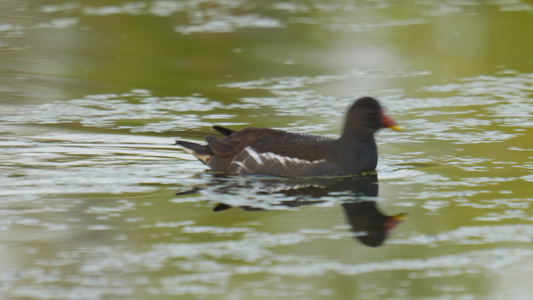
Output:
x=93 y=94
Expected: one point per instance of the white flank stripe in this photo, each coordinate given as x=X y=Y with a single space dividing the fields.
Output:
x=241 y=165
x=256 y=156
x=285 y=159
x=251 y=162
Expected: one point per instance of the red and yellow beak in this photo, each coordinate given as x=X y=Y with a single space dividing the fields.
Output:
x=388 y=122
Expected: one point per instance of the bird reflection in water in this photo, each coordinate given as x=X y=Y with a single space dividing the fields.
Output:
x=357 y=196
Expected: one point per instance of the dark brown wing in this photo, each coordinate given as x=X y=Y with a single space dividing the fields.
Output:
x=264 y=151
x=265 y=140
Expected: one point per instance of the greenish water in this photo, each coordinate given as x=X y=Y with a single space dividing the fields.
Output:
x=93 y=94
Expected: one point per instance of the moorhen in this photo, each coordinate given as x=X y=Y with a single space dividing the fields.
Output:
x=264 y=151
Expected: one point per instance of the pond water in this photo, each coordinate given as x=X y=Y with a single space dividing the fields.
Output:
x=94 y=93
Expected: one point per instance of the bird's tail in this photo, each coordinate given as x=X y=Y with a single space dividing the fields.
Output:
x=201 y=152
x=225 y=131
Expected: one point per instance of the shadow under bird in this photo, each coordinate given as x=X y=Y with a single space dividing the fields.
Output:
x=264 y=151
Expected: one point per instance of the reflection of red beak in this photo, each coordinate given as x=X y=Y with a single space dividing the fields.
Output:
x=393 y=221
x=388 y=122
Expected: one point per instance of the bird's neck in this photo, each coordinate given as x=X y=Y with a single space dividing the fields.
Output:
x=362 y=155
x=357 y=137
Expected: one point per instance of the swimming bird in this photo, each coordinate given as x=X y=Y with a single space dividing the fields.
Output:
x=265 y=151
